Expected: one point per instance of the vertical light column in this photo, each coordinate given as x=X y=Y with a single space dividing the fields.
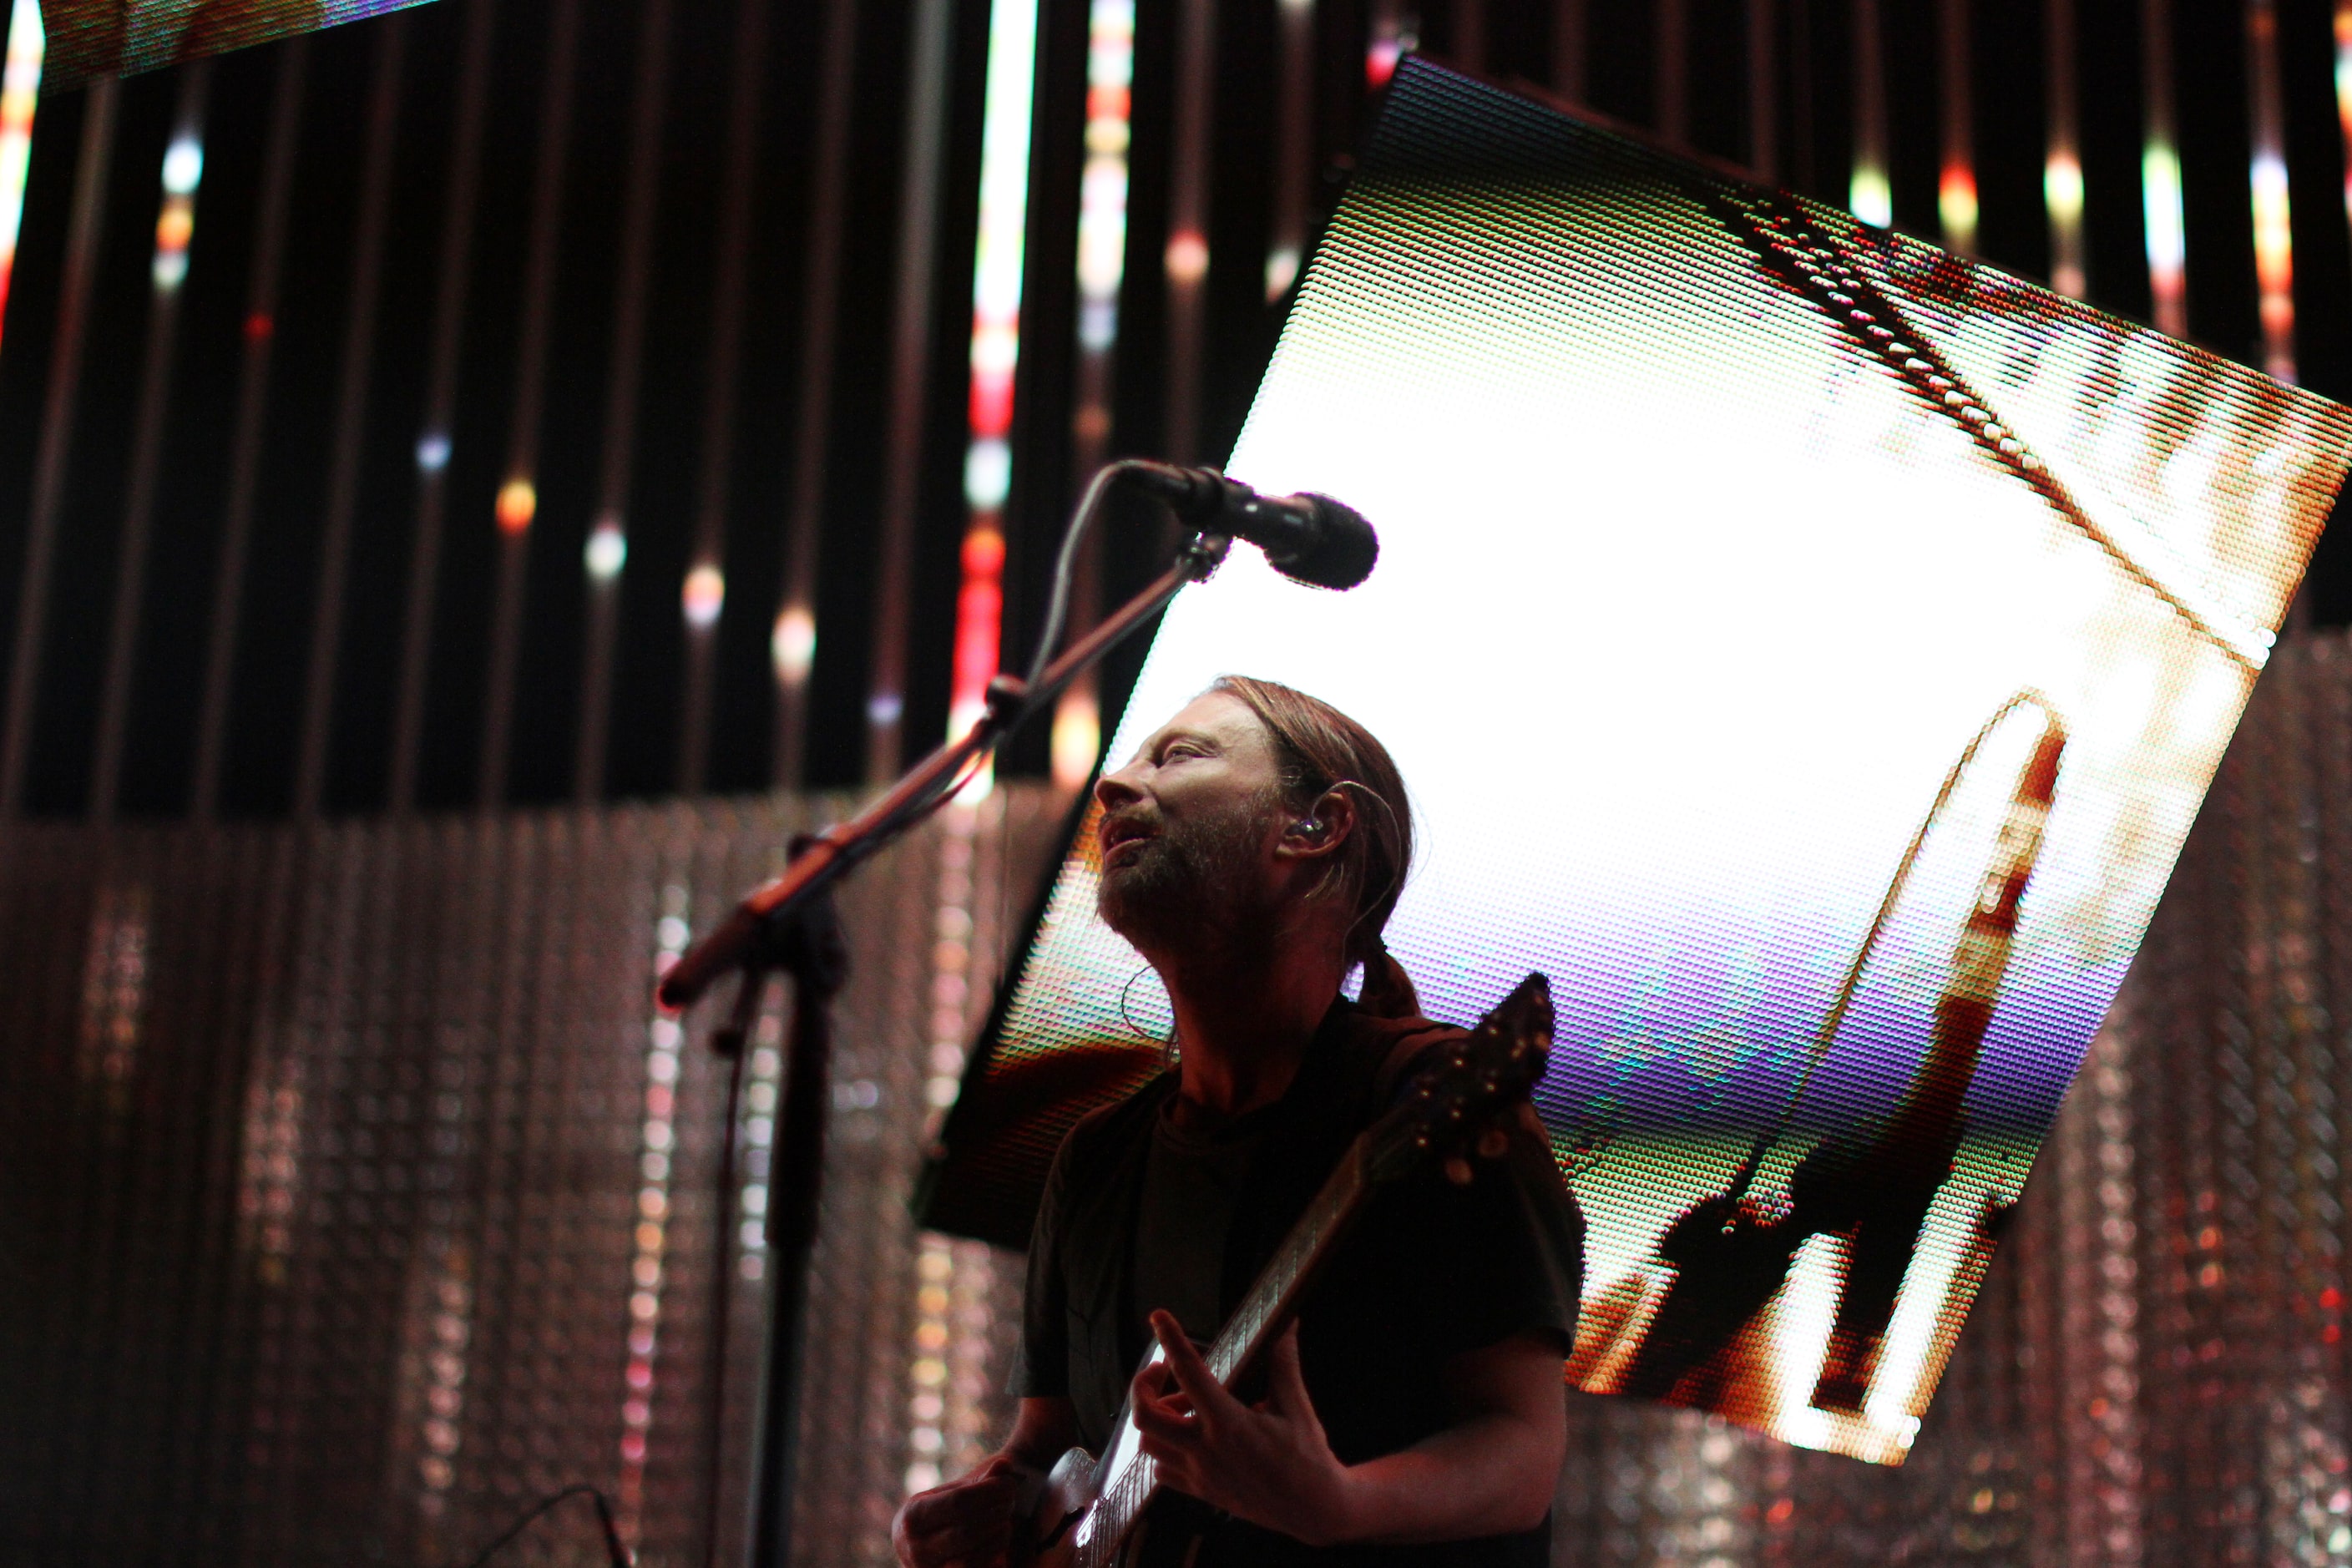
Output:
x=86 y=227
x=1102 y=270
x=714 y=485
x=2273 y=231
x=1763 y=99
x=1294 y=113
x=608 y=540
x=1470 y=33
x=911 y=356
x=1670 y=90
x=932 y=1394
x=1390 y=35
x=351 y=421
x=2343 y=95
x=2062 y=162
x=252 y=410
x=20 y=92
x=440 y=399
x=656 y=1146
x=1568 y=27
x=995 y=356
x=1187 y=261
x=175 y=227
x=1870 y=194
x=2160 y=173
x=517 y=506
x=792 y=641
x=1956 y=179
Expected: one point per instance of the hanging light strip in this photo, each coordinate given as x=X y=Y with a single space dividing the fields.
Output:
x=175 y=227
x=2343 y=92
x=20 y=91
x=1871 y=195
x=2159 y=174
x=175 y=223
x=1102 y=270
x=2062 y=163
x=1956 y=182
x=1292 y=132
x=995 y=354
x=656 y=1146
x=1763 y=97
x=1389 y=38
x=517 y=507
x=2274 y=234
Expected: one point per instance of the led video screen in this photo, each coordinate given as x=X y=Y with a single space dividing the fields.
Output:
x=120 y=37
x=1807 y=647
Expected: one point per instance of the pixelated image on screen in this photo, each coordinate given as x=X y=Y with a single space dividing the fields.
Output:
x=120 y=37
x=1807 y=647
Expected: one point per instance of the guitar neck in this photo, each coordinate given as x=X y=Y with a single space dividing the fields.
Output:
x=1260 y=1315
x=1496 y=1067
x=1267 y=1307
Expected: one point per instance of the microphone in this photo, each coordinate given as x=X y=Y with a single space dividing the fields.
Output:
x=1308 y=538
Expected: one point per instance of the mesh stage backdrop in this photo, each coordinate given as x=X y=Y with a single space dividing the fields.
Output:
x=1808 y=648
x=326 y=1161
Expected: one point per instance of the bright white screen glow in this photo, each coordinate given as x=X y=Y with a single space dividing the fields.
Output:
x=1690 y=599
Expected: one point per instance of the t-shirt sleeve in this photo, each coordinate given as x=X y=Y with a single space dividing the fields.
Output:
x=1041 y=1362
x=1504 y=1255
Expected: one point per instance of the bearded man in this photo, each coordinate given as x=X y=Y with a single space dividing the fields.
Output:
x=1252 y=852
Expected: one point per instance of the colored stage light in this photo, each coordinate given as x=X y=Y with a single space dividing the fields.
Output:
x=1808 y=648
x=791 y=646
x=995 y=355
x=20 y=91
x=518 y=504
x=607 y=550
x=175 y=223
x=703 y=597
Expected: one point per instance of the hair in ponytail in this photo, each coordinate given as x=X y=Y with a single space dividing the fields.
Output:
x=1320 y=749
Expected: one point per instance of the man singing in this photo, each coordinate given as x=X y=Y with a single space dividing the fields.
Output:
x=1251 y=851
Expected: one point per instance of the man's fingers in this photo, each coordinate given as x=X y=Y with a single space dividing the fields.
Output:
x=1160 y=1419
x=1286 y=1382
x=973 y=1518
x=1191 y=1374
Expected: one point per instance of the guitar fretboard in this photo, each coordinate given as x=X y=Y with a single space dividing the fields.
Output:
x=1245 y=1335
x=1496 y=1067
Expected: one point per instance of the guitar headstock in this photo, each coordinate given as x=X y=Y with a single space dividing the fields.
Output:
x=1462 y=1102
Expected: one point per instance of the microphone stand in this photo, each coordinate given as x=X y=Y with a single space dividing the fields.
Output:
x=791 y=926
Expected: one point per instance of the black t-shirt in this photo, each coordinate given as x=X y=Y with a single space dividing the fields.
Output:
x=1430 y=1270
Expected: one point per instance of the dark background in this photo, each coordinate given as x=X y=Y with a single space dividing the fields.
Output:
x=1816 y=73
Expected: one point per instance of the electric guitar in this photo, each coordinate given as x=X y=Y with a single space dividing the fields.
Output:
x=1085 y=1511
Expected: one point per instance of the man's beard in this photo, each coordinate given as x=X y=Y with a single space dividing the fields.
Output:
x=1189 y=887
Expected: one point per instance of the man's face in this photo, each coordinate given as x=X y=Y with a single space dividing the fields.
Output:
x=1189 y=826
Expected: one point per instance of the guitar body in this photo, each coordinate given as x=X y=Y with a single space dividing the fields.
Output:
x=1090 y=1513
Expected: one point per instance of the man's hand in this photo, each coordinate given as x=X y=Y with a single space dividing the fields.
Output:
x=1489 y=1473
x=967 y=1522
x=1267 y=1463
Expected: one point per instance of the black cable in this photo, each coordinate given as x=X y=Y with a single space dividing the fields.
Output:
x=1066 y=566
x=613 y=1547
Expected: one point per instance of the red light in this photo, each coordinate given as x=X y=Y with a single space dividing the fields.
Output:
x=983 y=552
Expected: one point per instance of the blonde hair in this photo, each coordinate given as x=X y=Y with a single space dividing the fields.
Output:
x=1320 y=749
